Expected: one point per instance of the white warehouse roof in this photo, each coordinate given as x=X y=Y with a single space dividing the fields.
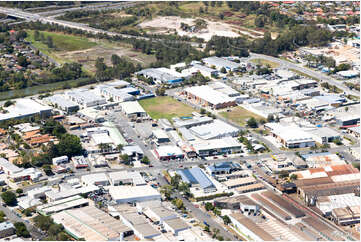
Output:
x=133 y=193
x=216 y=129
x=132 y=107
x=209 y=94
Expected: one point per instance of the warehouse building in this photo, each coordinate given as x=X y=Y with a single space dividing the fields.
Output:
x=168 y=152
x=86 y=98
x=91 y=224
x=249 y=228
x=79 y=162
x=191 y=122
x=226 y=145
x=346 y=216
x=208 y=97
x=204 y=70
x=62 y=204
x=160 y=136
x=225 y=89
x=291 y=136
x=25 y=108
x=133 y=194
x=60 y=160
x=215 y=130
x=98 y=179
x=324 y=135
x=196 y=177
x=6 y=229
x=137 y=222
x=161 y=75
x=327 y=203
x=8 y=167
x=118 y=95
x=220 y=63
x=126 y=178
x=223 y=168
x=133 y=109
x=60 y=101
x=68 y=191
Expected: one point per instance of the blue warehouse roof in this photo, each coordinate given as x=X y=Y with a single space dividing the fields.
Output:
x=224 y=166
x=195 y=176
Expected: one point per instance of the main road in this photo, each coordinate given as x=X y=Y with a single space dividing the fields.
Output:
x=309 y=72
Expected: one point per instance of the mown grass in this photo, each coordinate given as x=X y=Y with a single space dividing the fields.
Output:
x=265 y=63
x=165 y=107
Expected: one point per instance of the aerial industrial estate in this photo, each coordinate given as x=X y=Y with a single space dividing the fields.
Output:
x=180 y=121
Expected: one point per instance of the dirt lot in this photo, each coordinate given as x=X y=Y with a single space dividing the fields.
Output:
x=164 y=24
x=105 y=50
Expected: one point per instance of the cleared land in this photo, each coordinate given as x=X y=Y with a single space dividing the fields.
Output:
x=240 y=115
x=165 y=107
x=70 y=48
x=265 y=63
x=303 y=74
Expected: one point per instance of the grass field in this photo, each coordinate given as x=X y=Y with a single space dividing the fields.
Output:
x=62 y=42
x=265 y=62
x=165 y=107
x=240 y=115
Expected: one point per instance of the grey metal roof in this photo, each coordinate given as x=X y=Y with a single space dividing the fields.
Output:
x=195 y=176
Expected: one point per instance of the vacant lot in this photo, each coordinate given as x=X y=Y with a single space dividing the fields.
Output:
x=240 y=115
x=165 y=107
x=70 y=48
x=62 y=42
x=265 y=63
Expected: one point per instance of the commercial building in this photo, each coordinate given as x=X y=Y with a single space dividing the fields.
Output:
x=133 y=194
x=324 y=135
x=196 y=177
x=25 y=108
x=249 y=228
x=61 y=102
x=316 y=160
x=220 y=63
x=175 y=225
x=60 y=160
x=347 y=215
x=191 y=122
x=327 y=203
x=160 y=136
x=38 y=192
x=86 y=98
x=8 y=167
x=214 y=130
x=291 y=136
x=118 y=95
x=204 y=70
x=68 y=191
x=168 y=152
x=125 y=177
x=207 y=96
x=138 y=223
x=98 y=179
x=133 y=109
x=225 y=89
x=223 y=168
x=161 y=75
x=62 y=204
x=79 y=162
x=91 y=224
x=226 y=145
x=240 y=182
x=6 y=229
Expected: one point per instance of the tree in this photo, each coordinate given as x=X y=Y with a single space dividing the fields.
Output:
x=223 y=70
x=19 y=191
x=145 y=160
x=160 y=91
x=174 y=181
x=270 y=118
x=43 y=222
x=119 y=147
x=252 y=123
x=178 y=203
x=209 y=206
x=293 y=177
x=21 y=230
x=22 y=61
x=9 y=198
x=226 y=220
x=115 y=60
x=206 y=228
x=69 y=145
x=27 y=212
x=36 y=35
x=167 y=191
x=202 y=111
x=49 y=42
x=55 y=229
x=259 y=22
x=221 y=16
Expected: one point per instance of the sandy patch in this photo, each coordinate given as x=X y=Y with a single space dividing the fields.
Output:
x=174 y=23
